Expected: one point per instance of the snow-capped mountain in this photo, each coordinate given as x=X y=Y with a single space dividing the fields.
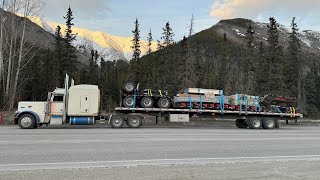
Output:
x=110 y=47
x=236 y=30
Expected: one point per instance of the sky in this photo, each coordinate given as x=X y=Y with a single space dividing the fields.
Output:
x=117 y=17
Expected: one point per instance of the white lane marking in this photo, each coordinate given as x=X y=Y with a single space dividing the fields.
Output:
x=172 y=161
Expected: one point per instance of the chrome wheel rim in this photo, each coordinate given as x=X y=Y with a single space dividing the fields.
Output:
x=117 y=122
x=26 y=121
x=270 y=123
x=256 y=123
x=129 y=101
x=147 y=102
x=135 y=122
x=129 y=87
x=164 y=103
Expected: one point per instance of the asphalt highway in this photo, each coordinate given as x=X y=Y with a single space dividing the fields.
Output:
x=292 y=152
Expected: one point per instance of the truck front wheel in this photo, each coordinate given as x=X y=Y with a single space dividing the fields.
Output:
x=27 y=121
x=117 y=121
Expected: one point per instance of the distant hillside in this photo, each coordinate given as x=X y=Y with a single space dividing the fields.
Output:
x=110 y=47
x=236 y=30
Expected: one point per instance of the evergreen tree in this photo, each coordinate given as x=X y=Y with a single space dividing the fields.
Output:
x=294 y=65
x=262 y=72
x=134 y=68
x=149 y=42
x=136 y=41
x=70 y=59
x=187 y=67
x=276 y=79
x=249 y=66
x=223 y=66
x=167 y=35
x=57 y=61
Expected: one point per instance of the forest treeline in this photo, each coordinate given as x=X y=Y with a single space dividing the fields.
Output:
x=205 y=60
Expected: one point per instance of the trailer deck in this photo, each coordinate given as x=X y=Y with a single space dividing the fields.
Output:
x=206 y=111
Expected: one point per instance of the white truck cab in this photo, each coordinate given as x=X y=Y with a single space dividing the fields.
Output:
x=75 y=105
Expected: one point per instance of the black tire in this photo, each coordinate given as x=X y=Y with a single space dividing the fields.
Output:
x=164 y=102
x=27 y=121
x=128 y=87
x=254 y=122
x=147 y=102
x=269 y=123
x=117 y=121
x=128 y=101
x=241 y=123
x=134 y=121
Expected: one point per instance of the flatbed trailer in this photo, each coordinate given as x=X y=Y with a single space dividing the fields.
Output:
x=244 y=119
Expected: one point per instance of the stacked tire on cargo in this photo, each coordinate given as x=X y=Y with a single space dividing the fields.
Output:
x=132 y=97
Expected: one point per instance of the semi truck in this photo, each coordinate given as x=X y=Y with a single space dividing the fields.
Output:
x=80 y=105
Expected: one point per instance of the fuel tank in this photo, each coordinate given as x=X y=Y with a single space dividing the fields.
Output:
x=82 y=121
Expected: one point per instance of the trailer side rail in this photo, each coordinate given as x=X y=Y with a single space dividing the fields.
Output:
x=208 y=111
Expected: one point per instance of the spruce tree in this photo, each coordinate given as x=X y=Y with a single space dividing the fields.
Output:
x=134 y=68
x=167 y=35
x=187 y=65
x=249 y=66
x=58 y=58
x=262 y=75
x=276 y=79
x=70 y=59
x=149 y=42
x=136 y=41
x=294 y=65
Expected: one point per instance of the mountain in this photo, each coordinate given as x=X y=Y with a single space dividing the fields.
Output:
x=236 y=30
x=110 y=47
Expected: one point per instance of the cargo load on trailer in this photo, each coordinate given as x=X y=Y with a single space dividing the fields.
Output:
x=198 y=98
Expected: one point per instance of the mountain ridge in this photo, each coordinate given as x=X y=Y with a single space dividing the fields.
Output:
x=110 y=47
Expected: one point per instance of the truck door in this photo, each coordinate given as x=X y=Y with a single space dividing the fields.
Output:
x=57 y=109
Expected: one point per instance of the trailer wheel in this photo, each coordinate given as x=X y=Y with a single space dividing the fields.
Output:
x=241 y=123
x=164 y=102
x=27 y=121
x=128 y=101
x=268 y=123
x=117 y=121
x=147 y=102
x=134 y=121
x=128 y=87
x=255 y=123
